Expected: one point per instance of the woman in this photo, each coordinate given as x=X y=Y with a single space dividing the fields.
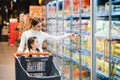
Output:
x=36 y=31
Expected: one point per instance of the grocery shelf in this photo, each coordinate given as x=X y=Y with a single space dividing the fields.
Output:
x=100 y=74
x=114 y=2
x=100 y=54
x=102 y=15
x=104 y=34
x=59 y=17
x=115 y=13
x=86 y=51
x=107 y=14
x=87 y=16
x=115 y=59
x=52 y=17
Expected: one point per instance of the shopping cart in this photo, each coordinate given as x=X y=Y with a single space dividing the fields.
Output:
x=35 y=68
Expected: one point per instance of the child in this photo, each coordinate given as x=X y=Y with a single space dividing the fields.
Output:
x=32 y=44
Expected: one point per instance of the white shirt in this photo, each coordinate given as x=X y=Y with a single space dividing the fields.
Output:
x=41 y=36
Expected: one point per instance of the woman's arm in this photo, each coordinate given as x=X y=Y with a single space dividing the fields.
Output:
x=22 y=43
x=56 y=38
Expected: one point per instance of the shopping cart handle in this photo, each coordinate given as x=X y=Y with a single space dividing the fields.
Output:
x=33 y=53
x=17 y=54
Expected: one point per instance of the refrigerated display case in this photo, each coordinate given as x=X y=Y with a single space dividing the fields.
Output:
x=77 y=58
x=109 y=36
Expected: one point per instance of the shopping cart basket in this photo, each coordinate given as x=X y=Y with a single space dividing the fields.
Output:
x=26 y=72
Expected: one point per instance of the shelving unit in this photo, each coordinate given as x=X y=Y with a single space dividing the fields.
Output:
x=74 y=56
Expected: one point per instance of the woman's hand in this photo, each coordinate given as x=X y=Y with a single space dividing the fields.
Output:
x=74 y=37
x=71 y=35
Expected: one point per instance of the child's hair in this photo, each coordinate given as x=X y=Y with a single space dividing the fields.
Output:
x=31 y=40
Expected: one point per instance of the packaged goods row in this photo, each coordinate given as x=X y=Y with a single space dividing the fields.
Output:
x=77 y=54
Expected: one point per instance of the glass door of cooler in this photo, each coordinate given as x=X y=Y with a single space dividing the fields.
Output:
x=51 y=25
x=107 y=39
x=72 y=25
x=55 y=28
x=73 y=63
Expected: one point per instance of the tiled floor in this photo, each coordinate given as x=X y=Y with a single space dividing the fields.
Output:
x=7 y=69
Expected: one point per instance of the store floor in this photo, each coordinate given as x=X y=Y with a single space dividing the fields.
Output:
x=7 y=68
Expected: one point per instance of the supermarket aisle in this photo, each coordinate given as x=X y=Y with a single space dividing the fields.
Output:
x=7 y=70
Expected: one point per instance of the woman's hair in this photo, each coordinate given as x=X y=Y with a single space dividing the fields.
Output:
x=30 y=41
x=35 y=21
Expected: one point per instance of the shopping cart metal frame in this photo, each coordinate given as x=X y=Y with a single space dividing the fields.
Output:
x=22 y=74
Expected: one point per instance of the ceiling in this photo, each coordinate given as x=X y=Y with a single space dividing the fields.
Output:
x=22 y=5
